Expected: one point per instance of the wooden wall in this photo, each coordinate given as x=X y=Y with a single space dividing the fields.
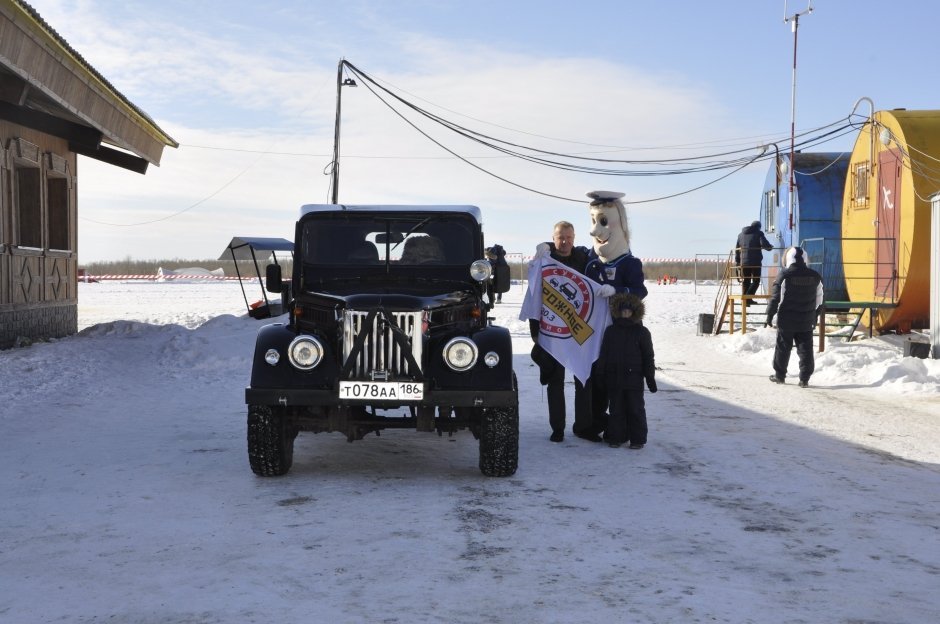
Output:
x=38 y=297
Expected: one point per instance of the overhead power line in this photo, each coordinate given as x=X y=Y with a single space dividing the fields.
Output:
x=733 y=160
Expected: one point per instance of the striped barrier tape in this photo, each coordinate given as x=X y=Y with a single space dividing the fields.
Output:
x=153 y=278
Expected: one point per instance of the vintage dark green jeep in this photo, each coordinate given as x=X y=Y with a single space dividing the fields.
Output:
x=387 y=327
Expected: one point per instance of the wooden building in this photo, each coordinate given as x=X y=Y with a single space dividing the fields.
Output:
x=53 y=106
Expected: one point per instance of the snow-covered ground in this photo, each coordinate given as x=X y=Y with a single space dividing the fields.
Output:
x=127 y=495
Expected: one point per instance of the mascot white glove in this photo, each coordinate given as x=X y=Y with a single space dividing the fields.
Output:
x=605 y=291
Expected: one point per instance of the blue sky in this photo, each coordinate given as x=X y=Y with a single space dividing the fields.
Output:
x=249 y=91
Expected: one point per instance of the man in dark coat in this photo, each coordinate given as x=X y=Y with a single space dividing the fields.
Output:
x=551 y=373
x=749 y=256
x=795 y=300
x=497 y=258
x=625 y=362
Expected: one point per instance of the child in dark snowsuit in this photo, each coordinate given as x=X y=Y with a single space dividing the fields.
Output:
x=625 y=362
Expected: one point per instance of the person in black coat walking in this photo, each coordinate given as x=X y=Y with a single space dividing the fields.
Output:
x=749 y=256
x=625 y=362
x=795 y=300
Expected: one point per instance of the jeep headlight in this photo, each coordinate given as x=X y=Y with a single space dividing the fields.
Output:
x=481 y=270
x=305 y=352
x=460 y=354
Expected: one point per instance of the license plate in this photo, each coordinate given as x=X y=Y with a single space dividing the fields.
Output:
x=381 y=391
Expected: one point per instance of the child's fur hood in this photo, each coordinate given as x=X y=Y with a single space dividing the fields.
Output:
x=629 y=300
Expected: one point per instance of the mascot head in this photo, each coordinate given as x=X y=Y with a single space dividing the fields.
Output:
x=609 y=227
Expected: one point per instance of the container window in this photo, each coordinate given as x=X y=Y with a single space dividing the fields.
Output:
x=860 y=175
x=770 y=211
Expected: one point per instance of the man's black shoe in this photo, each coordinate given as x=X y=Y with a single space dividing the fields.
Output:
x=557 y=436
x=635 y=445
x=776 y=379
x=804 y=384
x=590 y=437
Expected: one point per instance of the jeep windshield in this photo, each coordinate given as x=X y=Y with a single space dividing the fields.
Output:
x=370 y=247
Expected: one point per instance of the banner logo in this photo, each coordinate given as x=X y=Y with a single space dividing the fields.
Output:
x=567 y=300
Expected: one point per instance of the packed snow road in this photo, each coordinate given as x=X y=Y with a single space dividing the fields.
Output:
x=128 y=497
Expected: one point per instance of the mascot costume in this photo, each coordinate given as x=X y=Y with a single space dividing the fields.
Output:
x=610 y=261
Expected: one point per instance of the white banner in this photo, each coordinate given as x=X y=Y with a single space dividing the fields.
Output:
x=572 y=318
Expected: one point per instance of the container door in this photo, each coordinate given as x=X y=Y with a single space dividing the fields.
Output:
x=888 y=224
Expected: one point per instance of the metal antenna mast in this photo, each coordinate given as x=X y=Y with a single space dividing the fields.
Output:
x=794 y=20
x=334 y=169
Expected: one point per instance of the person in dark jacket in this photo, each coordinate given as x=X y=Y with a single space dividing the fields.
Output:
x=499 y=261
x=551 y=373
x=497 y=258
x=625 y=362
x=795 y=300
x=749 y=256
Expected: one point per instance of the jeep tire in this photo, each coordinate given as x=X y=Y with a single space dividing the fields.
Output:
x=499 y=441
x=270 y=440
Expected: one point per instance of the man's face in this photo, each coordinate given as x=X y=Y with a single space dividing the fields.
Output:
x=564 y=241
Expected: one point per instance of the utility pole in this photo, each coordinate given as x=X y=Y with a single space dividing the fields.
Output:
x=794 y=21
x=334 y=170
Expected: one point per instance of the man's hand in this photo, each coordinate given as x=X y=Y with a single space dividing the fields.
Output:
x=651 y=384
x=605 y=291
x=543 y=250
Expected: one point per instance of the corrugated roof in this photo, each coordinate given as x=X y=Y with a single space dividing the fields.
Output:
x=68 y=49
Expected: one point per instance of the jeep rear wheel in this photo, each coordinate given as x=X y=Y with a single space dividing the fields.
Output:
x=270 y=440
x=499 y=441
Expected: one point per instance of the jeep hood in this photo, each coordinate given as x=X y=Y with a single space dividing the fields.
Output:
x=399 y=301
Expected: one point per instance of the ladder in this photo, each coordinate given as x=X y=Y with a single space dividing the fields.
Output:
x=739 y=310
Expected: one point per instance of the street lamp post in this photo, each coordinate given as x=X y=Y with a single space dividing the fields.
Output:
x=334 y=170
x=795 y=21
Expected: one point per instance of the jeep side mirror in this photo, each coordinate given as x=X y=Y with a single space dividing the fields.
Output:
x=272 y=278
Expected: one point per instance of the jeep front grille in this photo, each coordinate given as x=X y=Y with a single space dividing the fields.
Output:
x=381 y=356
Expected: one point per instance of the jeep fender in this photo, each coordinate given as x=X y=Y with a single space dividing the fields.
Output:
x=278 y=336
x=481 y=376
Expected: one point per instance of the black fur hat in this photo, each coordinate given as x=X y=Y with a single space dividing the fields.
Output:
x=624 y=301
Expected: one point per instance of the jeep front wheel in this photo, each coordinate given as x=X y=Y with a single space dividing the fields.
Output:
x=270 y=440
x=499 y=441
